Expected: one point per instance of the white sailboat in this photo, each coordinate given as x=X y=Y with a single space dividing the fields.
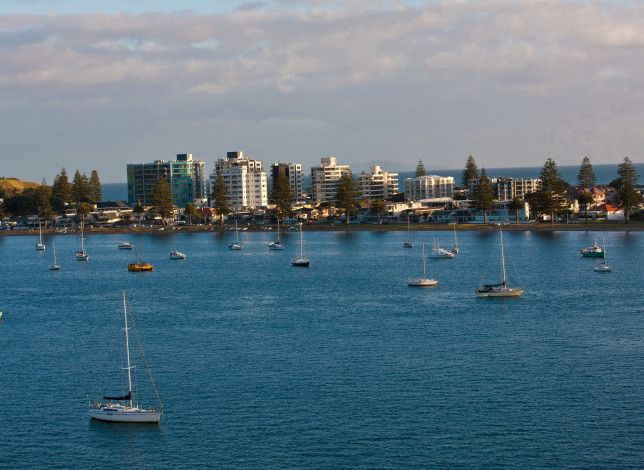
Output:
x=40 y=246
x=54 y=267
x=126 y=411
x=455 y=247
x=438 y=252
x=603 y=268
x=276 y=245
x=408 y=243
x=301 y=261
x=82 y=255
x=501 y=289
x=235 y=245
x=422 y=281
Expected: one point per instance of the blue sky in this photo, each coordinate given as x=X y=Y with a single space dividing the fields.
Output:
x=509 y=82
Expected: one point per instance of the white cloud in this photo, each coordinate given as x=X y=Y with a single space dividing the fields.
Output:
x=378 y=70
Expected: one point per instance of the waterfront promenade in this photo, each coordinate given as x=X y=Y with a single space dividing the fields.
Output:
x=612 y=226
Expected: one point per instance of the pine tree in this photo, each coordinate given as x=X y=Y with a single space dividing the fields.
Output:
x=585 y=199
x=61 y=192
x=586 y=176
x=95 y=189
x=220 y=198
x=161 y=199
x=282 y=195
x=420 y=169
x=516 y=205
x=627 y=195
x=83 y=210
x=43 y=194
x=471 y=172
x=80 y=188
x=484 y=198
x=347 y=194
x=552 y=187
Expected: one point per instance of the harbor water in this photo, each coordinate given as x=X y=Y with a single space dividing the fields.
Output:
x=340 y=365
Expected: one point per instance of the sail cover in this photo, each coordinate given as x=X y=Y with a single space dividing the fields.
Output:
x=125 y=397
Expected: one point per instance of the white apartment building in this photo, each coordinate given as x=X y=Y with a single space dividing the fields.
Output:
x=429 y=187
x=378 y=184
x=245 y=178
x=506 y=189
x=293 y=171
x=324 y=179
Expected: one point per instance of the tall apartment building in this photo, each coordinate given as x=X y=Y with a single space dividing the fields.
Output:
x=324 y=179
x=293 y=171
x=506 y=189
x=245 y=178
x=187 y=179
x=378 y=184
x=429 y=187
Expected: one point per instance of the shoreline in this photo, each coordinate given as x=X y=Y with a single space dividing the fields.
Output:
x=525 y=227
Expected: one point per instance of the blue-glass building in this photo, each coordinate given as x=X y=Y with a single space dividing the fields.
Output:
x=187 y=179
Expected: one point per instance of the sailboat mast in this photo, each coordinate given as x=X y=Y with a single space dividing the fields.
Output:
x=127 y=349
x=301 y=243
x=54 y=253
x=502 y=256
x=424 y=275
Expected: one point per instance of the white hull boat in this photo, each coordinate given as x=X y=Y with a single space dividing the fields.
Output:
x=54 y=267
x=501 y=289
x=81 y=255
x=422 y=281
x=603 y=268
x=124 y=414
x=177 y=255
x=40 y=246
x=276 y=245
x=301 y=261
x=438 y=252
x=126 y=246
x=235 y=245
x=121 y=409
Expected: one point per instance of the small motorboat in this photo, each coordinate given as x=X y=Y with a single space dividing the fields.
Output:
x=177 y=255
x=125 y=246
x=594 y=251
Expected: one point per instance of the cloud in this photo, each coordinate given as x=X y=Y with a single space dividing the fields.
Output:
x=420 y=76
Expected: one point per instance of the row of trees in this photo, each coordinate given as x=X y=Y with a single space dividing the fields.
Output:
x=47 y=201
x=347 y=196
x=549 y=198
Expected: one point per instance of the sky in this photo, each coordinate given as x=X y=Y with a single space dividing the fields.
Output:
x=96 y=85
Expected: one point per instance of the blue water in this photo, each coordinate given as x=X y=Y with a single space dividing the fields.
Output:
x=341 y=365
x=604 y=173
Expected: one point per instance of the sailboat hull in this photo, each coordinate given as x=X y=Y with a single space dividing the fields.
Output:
x=124 y=414
x=139 y=267
x=422 y=282
x=504 y=292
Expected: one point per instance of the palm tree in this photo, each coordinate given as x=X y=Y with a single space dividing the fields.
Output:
x=189 y=211
x=138 y=210
x=379 y=208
